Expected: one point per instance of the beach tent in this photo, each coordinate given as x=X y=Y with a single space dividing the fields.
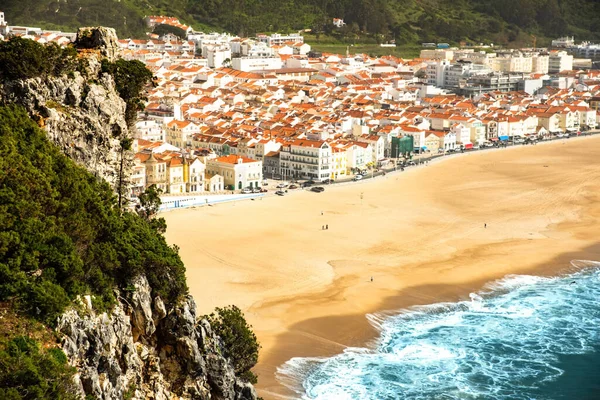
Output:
x=503 y=137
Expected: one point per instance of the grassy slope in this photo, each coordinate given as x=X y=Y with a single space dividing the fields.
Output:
x=408 y=21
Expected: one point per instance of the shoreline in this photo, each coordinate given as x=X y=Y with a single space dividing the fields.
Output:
x=419 y=233
x=330 y=327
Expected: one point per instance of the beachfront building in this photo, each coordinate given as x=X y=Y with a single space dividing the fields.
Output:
x=359 y=155
x=214 y=183
x=271 y=167
x=238 y=172
x=447 y=140
x=306 y=159
x=462 y=134
x=432 y=142
x=339 y=163
x=418 y=135
x=194 y=175
x=549 y=121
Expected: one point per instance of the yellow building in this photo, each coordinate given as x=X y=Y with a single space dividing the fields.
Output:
x=339 y=163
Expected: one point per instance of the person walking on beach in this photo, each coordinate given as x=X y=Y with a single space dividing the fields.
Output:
x=371 y=279
x=327 y=227
x=484 y=226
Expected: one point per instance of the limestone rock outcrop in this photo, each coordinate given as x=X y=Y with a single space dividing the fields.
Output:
x=144 y=351
x=99 y=38
x=84 y=117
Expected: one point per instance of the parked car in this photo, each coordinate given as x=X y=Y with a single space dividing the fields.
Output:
x=440 y=151
x=317 y=189
x=327 y=181
x=281 y=186
x=364 y=173
x=263 y=190
x=412 y=163
x=307 y=184
x=246 y=190
x=357 y=177
x=293 y=187
x=256 y=190
x=280 y=193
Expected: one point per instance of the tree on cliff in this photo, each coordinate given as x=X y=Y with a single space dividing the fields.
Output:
x=24 y=59
x=148 y=208
x=131 y=77
x=62 y=233
x=239 y=342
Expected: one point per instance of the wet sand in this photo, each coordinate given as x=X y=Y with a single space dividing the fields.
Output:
x=419 y=233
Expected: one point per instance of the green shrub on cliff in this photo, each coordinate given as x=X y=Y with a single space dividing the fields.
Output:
x=130 y=79
x=23 y=59
x=62 y=233
x=28 y=371
x=240 y=343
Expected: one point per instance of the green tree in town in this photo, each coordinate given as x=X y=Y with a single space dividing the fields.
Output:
x=164 y=29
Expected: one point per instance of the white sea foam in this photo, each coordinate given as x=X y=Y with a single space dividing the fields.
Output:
x=503 y=343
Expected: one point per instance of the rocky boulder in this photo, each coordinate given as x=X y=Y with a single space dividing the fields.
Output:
x=99 y=38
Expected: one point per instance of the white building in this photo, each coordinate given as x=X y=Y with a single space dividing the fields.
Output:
x=217 y=39
x=150 y=130
x=247 y=64
x=216 y=55
x=306 y=159
x=560 y=61
x=444 y=74
x=566 y=41
x=540 y=64
x=277 y=39
x=338 y=22
x=238 y=172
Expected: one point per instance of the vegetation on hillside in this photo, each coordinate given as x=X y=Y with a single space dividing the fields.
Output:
x=406 y=21
x=131 y=77
x=164 y=29
x=240 y=343
x=24 y=59
x=31 y=364
x=62 y=233
x=30 y=372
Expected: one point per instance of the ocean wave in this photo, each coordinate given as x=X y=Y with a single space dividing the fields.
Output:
x=504 y=343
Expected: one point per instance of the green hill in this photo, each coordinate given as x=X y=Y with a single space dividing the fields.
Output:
x=408 y=21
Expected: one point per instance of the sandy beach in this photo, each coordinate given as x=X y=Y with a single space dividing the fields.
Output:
x=419 y=233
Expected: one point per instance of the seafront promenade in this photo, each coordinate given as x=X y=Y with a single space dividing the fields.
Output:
x=173 y=202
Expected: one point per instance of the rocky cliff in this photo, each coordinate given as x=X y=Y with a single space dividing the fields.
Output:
x=82 y=113
x=140 y=350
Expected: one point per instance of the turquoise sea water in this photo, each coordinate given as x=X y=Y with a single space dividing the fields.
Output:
x=523 y=337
